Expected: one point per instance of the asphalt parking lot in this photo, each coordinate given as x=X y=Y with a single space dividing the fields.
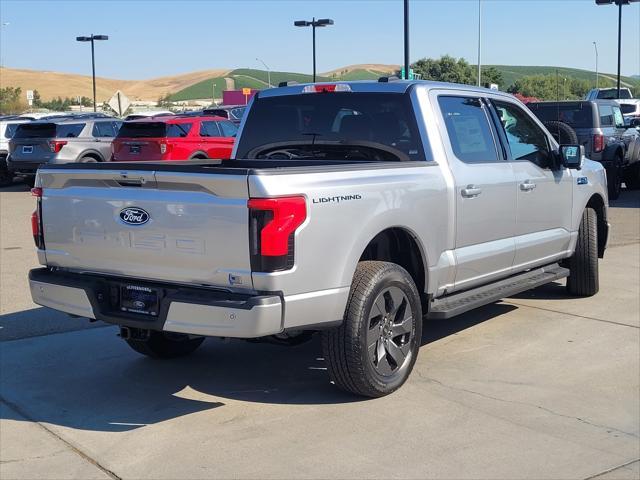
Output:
x=537 y=386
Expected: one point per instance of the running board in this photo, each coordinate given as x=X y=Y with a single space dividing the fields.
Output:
x=457 y=303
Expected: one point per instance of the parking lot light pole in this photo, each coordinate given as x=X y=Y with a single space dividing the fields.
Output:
x=91 y=39
x=595 y=45
x=407 y=62
x=268 y=70
x=479 y=43
x=619 y=3
x=322 y=22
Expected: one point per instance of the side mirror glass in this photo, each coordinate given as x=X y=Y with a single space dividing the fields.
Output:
x=572 y=156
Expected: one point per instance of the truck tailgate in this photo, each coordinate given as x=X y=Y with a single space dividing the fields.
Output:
x=181 y=227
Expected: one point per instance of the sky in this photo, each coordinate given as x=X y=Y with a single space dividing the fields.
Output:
x=151 y=38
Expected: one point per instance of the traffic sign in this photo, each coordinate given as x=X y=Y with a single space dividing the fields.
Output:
x=119 y=102
x=246 y=91
x=29 y=94
x=411 y=74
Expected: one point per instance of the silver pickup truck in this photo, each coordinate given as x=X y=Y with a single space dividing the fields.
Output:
x=354 y=209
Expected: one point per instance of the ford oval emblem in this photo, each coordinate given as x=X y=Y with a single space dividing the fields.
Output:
x=134 y=216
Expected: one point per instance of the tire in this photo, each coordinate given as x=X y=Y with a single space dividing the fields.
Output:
x=30 y=181
x=614 y=178
x=88 y=159
x=583 y=264
x=632 y=177
x=6 y=178
x=163 y=345
x=372 y=353
x=562 y=132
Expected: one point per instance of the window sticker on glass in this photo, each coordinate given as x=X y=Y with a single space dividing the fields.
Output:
x=469 y=133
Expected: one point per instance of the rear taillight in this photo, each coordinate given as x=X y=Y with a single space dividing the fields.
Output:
x=273 y=223
x=56 y=145
x=598 y=142
x=165 y=147
x=36 y=219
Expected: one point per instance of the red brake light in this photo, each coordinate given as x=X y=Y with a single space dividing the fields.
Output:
x=36 y=192
x=56 y=145
x=273 y=223
x=324 y=88
x=598 y=142
x=35 y=225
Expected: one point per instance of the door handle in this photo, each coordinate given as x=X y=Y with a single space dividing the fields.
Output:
x=471 y=191
x=527 y=186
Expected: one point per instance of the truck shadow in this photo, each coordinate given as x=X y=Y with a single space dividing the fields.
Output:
x=91 y=380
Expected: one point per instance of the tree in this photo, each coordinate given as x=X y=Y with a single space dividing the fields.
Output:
x=445 y=69
x=545 y=87
x=11 y=100
x=489 y=75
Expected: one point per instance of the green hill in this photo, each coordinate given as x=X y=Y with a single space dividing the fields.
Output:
x=258 y=79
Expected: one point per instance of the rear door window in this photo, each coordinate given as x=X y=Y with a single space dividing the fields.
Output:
x=228 y=129
x=209 y=129
x=468 y=128
x=606 y=116
x=104 y=129
x=69 y=130
x=11 y=130
x=178 y=130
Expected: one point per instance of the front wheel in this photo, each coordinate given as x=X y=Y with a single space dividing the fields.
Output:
x=614 y=178
x=583 y=280
x=373 y=352
x=165 y=345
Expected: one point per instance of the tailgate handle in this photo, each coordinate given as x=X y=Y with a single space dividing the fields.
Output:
x=126 y=181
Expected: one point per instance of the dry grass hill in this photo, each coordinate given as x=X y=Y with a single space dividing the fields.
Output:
x=56 y=84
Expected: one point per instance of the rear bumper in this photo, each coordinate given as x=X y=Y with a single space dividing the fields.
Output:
x=23 y=168
x=196 y=311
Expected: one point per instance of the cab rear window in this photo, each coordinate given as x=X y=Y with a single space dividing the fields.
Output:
x=576 y=115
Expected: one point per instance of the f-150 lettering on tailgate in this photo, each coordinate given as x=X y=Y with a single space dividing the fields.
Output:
x=139 y=240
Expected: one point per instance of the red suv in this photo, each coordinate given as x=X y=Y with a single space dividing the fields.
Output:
x=174 y=138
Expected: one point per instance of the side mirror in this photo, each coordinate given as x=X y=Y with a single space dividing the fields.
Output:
x=572 y=156
x=635 y=123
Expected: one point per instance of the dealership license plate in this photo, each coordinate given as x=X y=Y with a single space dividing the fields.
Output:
x=139 y=299
x=134 y=149
x=27 y=149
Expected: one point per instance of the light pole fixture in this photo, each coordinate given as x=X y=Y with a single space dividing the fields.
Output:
x=91 y=39
x=322 y=22
x=619 y=3
x=479 y=43
x=595 y=45
x=268 y=70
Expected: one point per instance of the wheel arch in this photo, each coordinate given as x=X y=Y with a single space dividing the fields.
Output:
x=93 y=154
x=199 y=155
x=401 y=246
x=597 y=203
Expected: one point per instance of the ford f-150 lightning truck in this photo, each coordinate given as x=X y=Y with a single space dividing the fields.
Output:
x=352 y=209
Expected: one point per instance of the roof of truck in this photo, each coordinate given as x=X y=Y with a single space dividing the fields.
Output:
x=379 y=86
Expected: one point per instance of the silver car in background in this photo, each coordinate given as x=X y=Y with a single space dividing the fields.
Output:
x=80 y=139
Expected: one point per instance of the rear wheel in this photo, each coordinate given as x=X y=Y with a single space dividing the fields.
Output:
x=373 y=352
x=6 y=178
x=88 y=159
x=30 y=181
x=614 y=178
x=165 y=345
x=583 y=280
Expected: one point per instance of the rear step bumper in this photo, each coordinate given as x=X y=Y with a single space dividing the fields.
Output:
x=195 y=311
x=458 y=303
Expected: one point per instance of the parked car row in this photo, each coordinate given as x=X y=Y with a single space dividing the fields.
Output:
x=28 y=142
x=599 y=126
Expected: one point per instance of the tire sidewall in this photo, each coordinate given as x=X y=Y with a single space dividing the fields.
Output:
x=391 y=278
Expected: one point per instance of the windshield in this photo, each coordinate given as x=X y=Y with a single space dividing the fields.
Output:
x=345 y=125
x=612 y=94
